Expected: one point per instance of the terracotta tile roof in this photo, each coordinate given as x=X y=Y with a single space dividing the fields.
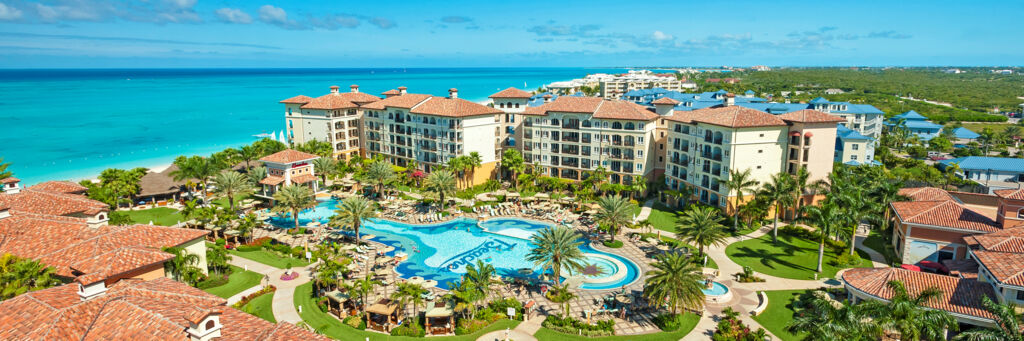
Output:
x=303 y=178
x=511 y=93
x=452 y=107
x=9 y=180
x=300 y=99
x=340 y=100
x=1013 y=194
x=734 y=117
x=272 y=180
x=944 y=213
x=665 y=100
x=1006 y=267
x=289 y=156
x=52 y=203
x=961 y=296
x=599 y=108
x=66 y=187
x=811 y=116
x=406 y=101
x=117 y=262
x=925 y=194
x=159 y=309
x=1008 y=240
x=391 y=92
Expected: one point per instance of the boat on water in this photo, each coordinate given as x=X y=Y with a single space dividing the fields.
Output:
x=263 y=135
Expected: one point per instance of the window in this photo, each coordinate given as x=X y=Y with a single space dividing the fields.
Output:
x=1020 y=214
x=853 y=157
x=759 y=151
x=856 y=146
x=1020 y=295
x=762 y=135
x=210 y=324
x=759 y=167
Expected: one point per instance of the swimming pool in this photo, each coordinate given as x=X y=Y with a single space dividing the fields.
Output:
x=441 y=251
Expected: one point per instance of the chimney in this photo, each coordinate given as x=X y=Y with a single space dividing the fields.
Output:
x=547 y=98
x=355 y=88
x=5 y=212
x=334 y=89
x=730 y=99
x=11 y=185
x=89 y=291
x=401 y=90
x=453 y=93
x=204 y=325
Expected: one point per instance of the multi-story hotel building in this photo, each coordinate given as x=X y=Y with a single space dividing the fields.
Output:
x=332 y=118
x=569 y=136
x=512 y=101
x=615 y=87
x=426 y=131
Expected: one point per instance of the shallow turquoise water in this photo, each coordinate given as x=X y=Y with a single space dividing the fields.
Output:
x=71 y=124
x=717 y=289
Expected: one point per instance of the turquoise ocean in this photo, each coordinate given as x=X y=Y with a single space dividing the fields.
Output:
x=67 y=124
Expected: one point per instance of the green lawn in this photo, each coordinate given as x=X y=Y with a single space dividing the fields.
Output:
x=545 y=334
x=269 y=258
x=223 y=201
x=163 y=216
x=792 y=258
x=667 y=219
x=693 y=250
x=330 y=326
x=880 y=243
x=978 y=127
x=261 y=307
x=779 y=312
x=238 y=281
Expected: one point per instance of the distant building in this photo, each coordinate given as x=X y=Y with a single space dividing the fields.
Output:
x=615 y=87
x=834 y=91
x=953 y=71
x=285 y=168
x=1002 y=72
x=332 y=118
x=987 y=168
x=853 y=148
x=760 y=68
x=916 y=124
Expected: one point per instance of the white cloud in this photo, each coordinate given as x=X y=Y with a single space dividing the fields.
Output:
x=8 y=12
x=278 y=17
x=183 y=4
x=661 y=36
x=233 y=15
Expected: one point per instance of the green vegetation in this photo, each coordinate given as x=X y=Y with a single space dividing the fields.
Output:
x=238 y=281
x=164 y=216
x=270 y=258
x=261 y=307
x=880 y=243
x=687 y=322
x=676 y=243
x=663 y=217
x=21 y=275
x=330 y=326
x=792 y=257
x=779 y=313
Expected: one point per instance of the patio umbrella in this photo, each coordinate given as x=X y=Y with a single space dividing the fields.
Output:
x=429 y=283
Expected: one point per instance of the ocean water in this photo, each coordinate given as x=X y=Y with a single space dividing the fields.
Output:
x=71 y=124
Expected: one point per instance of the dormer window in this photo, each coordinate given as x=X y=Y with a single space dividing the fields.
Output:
x=1020 y=214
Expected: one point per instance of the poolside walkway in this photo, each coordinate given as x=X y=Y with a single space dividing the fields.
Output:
x=283 y=304
x=645 y=211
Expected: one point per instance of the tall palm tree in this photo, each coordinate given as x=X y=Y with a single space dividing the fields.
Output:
x=613 y=213
x=473 y=161
x=1008 y=324
x=183 y=266
x=824 y=319
x=379 y=174
x=249 y=153
x=800 y=186
x=701 y=226
x=826 y=217
x=325 y=167
x=556 y=248
x=480 y=276
x=362 y=289
x=457 y=165
x=247 y=224
x=738 y=184
x=909 y=316
x=639 y=185
x=442 y=184
x=351 y=212
x=217 y=259
x=4 y=173
x=231 y=183
x=512 y=160
x=256 y=174
x=675 y=280
x=21 y=275
x=778 y=191
x=293 y=199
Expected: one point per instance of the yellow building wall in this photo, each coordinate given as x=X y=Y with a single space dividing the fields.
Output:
x=485 y=172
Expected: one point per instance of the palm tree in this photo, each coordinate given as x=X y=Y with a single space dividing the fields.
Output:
x=217 y=259
x=799 y=189
x=739 y=183
x=457 y=165
x=824 y=319
x=183 y=266
x=701 y=226
x=613 y=213
x=1008 y=323
x=639 y=185
x=556 y=248
x=473 y=161
x=777 y=191
x=293 y=199
x=21 y=275
x=362 y=289
x=4 y=173
x=911 y=318
x=351 y=212
x=249 y=153
x=380 y=173
x=326 y=167
x=512 y=160
x=247 y=224
x=675 y=280
x=231 y=183
x=442 y=184
x=826 y=218
x=479 y=276
x=256 y=174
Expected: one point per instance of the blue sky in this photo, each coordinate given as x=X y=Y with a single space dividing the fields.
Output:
x=270 y=33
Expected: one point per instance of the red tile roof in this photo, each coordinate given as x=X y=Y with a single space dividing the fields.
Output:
x=665 y=100
x=730 y=116
x=925 y=194
x=9 y=180
x=118 y=262
x=1008 y=240
x=391 y=92
x=511 y=93
x=452 y=107
x=303 y=178
x=1006 y=267
x=159 y=309
x=961 y=296
x=947 y=213
x=300 y=99
x=1013 y=194
x=340 y=100
x=66 y=187
x=52 y=203
x=272 y=180
x=811 y=116
x=289 y=156
x=599 y=108
x=406 y=101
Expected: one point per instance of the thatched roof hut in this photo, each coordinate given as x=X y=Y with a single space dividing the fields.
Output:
x=160 y=184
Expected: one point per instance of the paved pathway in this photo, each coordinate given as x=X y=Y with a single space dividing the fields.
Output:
x=523 y=332
x=283 y=304
x=877 y=259
x=645 y=211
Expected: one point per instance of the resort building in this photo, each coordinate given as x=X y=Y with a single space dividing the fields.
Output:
x=53 y=198
x=993 y=171
x=569 y=136
x=853 y=148
x=332 y=118
x=133 y=309
x=425 y=131
x=285 y=168
x=512 y=101
x=615 y=87
x=704 y=145
x=916 y=124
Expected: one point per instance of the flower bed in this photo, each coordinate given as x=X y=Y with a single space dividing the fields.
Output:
x=289 y=276
x=573 y=326
x=245 y=300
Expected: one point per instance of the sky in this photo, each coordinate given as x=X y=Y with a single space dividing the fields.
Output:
x=397 y=33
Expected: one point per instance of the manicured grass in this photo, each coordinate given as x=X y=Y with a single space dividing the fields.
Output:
x=663 y=217
x=330 y=326
x=163 y=216
x=262 y=307
x=238 y=281
x=690 y=321
x=711 y=262
x=269 y=258
x=978 y=127
x=223 y=201
x=779 y=313
x=880 y=243
x=792 y=258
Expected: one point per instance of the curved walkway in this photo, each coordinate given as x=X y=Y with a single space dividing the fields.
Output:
x=283 y=304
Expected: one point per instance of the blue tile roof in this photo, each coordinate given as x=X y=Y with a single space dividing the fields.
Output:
x=844 y=133
x=922 y=125
x=1004 y=164
x=964 y=133
x=909 y=116
x=819 y=100
x=856 y=163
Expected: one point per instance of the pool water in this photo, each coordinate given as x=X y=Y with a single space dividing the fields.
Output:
x=717 y=289
x=441 y=251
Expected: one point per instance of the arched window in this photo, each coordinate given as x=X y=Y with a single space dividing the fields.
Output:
x=517 y=105
x=501 y=105
x=210 y=324
x=718 y=137
x=630 y=126
x=616 y=125
x=509 y=104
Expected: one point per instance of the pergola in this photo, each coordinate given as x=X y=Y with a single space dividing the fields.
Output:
x=383 y=315
x=340 y=304
x=439 y=319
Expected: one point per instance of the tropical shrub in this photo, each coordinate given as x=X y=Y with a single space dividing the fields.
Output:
x=412 y=329
x=846 y=259
x=668 y=322
x=245 y=300
x=356 y=321
x=569 y=325
x=747 y=276
x=613 y=244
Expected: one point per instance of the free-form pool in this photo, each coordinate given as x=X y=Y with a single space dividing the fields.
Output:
x=441 y=251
